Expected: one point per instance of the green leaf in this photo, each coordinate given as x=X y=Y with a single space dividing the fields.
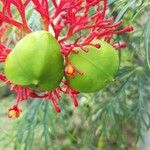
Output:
x=124 y=10
x=110 y=2
x=147 y=43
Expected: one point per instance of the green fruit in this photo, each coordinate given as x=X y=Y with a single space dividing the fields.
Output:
x=98 y=65
x=36 y=62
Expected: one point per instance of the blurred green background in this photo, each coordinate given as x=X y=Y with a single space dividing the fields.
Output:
x=112 y=119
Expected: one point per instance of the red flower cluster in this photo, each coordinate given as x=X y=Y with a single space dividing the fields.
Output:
x=71 y=16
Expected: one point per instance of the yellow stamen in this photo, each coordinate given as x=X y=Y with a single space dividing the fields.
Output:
x=69 y=69
x=12 y=114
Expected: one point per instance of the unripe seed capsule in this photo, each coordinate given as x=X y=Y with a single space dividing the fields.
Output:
x=36 y=62
x=98 y=65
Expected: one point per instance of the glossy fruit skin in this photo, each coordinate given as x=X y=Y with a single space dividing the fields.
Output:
x=98 y=65
x=36 y=62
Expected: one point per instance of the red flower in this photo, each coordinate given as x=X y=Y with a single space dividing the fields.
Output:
x=69 y=70
x=14 y=111
x=73 y=15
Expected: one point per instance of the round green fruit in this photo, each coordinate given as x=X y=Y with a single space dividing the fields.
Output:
x=98 y=66
x=36 y=62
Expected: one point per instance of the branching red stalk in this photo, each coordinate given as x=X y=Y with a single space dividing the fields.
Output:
x=72 y=16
